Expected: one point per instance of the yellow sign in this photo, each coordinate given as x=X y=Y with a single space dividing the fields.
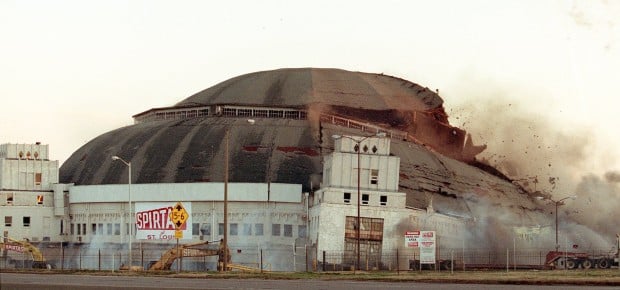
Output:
x=179 y=215
x=178 y=234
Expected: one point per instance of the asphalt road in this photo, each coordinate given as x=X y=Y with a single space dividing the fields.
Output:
x=10 y=281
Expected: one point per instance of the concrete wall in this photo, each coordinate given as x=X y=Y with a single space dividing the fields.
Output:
x=249 y=204
x=20 y=174
x=341 y=171
x=43 y=225
x=213 y=191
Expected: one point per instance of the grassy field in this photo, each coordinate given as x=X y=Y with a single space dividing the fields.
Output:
x=532 y=277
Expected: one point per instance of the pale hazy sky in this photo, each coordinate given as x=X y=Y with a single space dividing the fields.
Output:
x=72 y=70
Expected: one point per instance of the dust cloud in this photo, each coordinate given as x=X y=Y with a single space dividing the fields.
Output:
x=546 y=159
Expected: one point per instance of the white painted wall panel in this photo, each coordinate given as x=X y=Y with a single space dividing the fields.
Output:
x=184 y=192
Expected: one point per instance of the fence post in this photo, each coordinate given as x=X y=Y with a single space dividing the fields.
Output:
x=80 y=257
x=540 y=259
x=99 y=255
x=141 y=256
x=463 y=254
x=62 y=257
x=507 y=259
x=324 y=262
x=397 y=263
x=451 y=261
x=306 y=248
x=261 y=261
x=514 y=253
x=316 y=257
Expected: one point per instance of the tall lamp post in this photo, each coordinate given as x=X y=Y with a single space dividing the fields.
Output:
x=225 y=241
x=130 y=208
x=557 y=204
x=358 y=142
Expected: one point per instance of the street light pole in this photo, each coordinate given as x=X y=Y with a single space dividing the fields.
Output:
x=225 y=241
x=557 y=246
x=359 y=224
x=557 y=205
x=130 y=257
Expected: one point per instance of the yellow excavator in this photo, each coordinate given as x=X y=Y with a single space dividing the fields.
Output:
x=196 y=250
x=187 y=250
x=24 y=246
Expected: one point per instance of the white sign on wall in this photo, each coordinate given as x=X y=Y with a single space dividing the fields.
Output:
x=153 y=221
x=426 y=241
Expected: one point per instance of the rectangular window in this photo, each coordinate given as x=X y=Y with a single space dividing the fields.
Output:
x=383 y=200
x=247 y=229
x=276 y=114
x=93 y=229
x=9 y=198
x=370 y=229
x=291 y=114
x=8 y=221
x=220 y=229
x=62 y=227
x=244 y=112
x=365 y=199
x=261 y=113
x=275 y=229
x=79 y=229
x=37 y=179
x=301 y=231
x=26 y=221
x=71 y=229
x=347 y=197
x=205 y=229
x=229 y=112
x=374 y=176
x=233 y=229
x=288 y=230
x=109 y=229
x=117 y=229
x=40 y=199
x=84 y=229
x=258 y=229
x=99 y=229
x=195 y=229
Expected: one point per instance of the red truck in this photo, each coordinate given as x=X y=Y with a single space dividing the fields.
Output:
x=573 y=260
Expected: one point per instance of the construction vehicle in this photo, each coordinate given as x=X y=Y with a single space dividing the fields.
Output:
x=187 y=250
x=194 y=250
x=573 y=260
x=24 y=246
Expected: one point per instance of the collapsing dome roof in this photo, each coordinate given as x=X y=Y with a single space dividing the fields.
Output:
x=294 y=112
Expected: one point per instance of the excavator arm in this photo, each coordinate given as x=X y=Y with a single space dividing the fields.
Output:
x=187 y=250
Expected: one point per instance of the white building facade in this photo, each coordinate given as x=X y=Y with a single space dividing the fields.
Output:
x=28 y=200
x=382 y=210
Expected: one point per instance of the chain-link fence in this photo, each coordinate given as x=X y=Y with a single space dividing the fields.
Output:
x=289 y=258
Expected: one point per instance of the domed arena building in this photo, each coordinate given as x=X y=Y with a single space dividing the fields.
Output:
x=297 y=158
